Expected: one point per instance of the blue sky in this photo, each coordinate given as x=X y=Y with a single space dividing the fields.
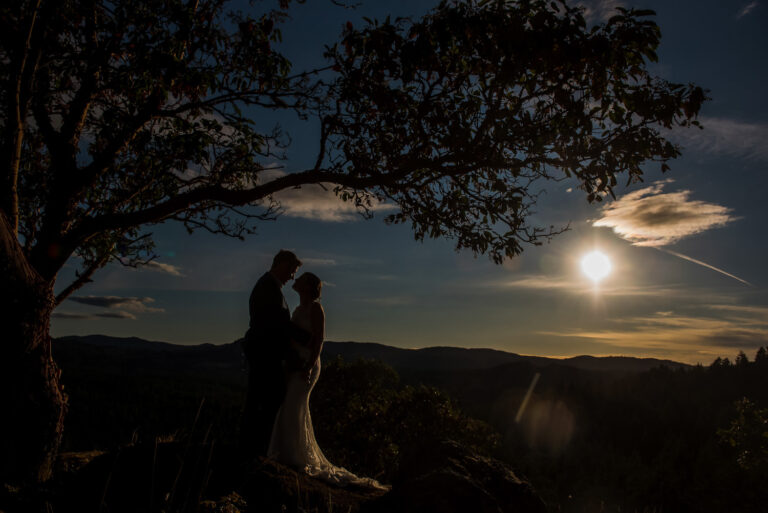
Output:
x=688 y=248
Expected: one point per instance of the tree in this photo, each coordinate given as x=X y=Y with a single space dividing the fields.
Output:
x=761 y=357
x=119 y=115
x=365 y=418
x=742 y=360
x=748 y=435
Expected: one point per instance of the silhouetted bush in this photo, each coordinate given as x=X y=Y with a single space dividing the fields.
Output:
x=364 y=417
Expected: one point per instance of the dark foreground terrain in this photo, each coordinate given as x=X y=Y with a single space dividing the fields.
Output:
x=183 y=477
x=450 y=428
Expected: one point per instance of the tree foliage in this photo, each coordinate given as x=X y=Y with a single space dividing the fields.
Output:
x=748 y=435
x=365 y=417
x=117 y=115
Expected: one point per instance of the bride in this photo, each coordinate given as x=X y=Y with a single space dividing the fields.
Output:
x=293 y=438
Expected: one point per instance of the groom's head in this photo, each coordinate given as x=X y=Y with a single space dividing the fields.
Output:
x=284 y=265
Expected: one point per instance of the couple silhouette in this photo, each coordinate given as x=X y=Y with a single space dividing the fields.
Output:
x=283 y=353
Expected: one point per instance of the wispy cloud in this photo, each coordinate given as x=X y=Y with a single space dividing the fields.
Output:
x=599 y=10
x=386 y=277
x=651 y=217
x=543 y=283
x=171 y=269
x=538 y=282
x=389 y=300
x=131 y=304
x=100 y=315
x=692 y=337
x=727 y=137
x=747 y=9
x=654 y=218
x=318 y=201
x=319 y=262
x=758 y=311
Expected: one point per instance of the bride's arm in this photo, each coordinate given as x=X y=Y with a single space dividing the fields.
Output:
x=318 y=333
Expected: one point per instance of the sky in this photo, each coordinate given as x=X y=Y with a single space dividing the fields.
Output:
x=687 y=248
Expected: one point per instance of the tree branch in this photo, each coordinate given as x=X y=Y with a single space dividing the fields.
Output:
x=83 y=278
x=78 y=108
x=24 y=78
x=120 y=221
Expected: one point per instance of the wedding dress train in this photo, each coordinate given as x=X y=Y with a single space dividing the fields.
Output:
x=293 y=437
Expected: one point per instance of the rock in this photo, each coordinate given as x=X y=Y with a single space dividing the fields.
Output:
x=270 y=486
x=231 y=503
x=445 y=477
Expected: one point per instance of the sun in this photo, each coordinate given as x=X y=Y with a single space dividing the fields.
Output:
x=596 y=266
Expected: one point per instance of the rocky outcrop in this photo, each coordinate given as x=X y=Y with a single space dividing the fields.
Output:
x=444 y=477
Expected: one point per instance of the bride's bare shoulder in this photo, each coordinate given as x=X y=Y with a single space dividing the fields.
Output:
x=316 y=312
x=317 y=309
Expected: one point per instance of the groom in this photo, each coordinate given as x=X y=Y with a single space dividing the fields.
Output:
x=267 y=349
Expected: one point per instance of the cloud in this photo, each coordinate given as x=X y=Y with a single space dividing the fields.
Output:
x=154 y=265
x=651 y=217
x=695 y=338
x=389 y=300
x=543 y=283
x=726 y=137
x=758 y=311
x=538 y=282
x=318 y=262
x=747 y=9
x=101 y=315
x=317 y=201
x=596 y=11
x=132 y=304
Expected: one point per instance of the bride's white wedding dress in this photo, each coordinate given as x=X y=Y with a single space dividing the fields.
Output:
x=293 y=437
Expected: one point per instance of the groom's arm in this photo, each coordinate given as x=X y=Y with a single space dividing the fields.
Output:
x=297 y=333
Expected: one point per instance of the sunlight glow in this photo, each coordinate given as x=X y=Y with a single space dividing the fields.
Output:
x=596 y=266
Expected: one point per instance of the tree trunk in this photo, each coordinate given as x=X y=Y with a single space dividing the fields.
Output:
x=32 y=401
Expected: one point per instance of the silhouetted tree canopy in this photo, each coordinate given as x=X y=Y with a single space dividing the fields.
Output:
x=118 y=115
x=748 y=434
x=139 y=111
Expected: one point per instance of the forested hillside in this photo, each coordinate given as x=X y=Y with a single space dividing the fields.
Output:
x=663 y=439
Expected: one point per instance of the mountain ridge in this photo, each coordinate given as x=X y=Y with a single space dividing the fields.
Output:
x=442 y=358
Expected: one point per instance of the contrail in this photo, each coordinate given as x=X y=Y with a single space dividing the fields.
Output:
x=685 y=257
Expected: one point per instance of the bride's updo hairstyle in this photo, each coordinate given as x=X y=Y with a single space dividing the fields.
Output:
x=312 y=283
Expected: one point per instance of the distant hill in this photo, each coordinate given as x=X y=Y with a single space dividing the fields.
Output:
x=459 y=358
x=134 y=352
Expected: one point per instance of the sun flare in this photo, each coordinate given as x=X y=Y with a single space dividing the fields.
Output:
x=596 y=266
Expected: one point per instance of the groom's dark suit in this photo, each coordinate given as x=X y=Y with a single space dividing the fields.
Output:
x=267 y=348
